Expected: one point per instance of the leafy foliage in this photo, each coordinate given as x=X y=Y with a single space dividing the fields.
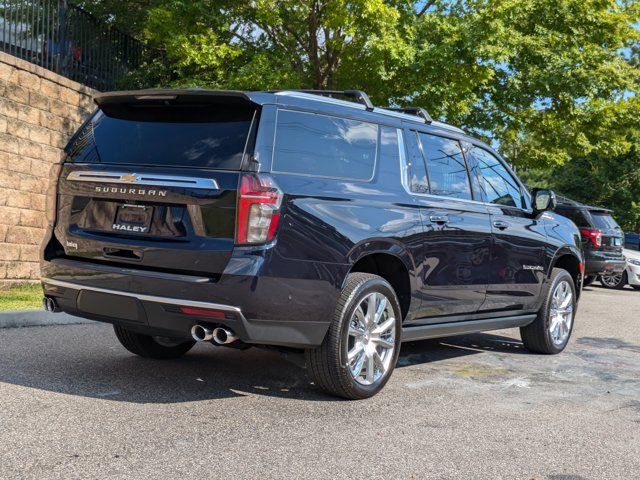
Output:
x=548 y=82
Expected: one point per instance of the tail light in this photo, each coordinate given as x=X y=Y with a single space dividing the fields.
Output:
x=594 y=235
x=51 y=204
x=259 y=201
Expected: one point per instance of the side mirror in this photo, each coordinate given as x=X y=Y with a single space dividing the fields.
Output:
x=543 y=199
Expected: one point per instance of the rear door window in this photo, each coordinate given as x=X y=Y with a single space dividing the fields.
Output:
x=324 y=146
x=211 y=138
x=446 y=167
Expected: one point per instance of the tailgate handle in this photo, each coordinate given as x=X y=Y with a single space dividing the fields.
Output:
x=121 y=253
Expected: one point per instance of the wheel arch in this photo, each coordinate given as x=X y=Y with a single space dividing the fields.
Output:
x=572 y=262
x=391 y=262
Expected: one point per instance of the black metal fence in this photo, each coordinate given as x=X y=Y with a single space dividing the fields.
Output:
x=69 y=41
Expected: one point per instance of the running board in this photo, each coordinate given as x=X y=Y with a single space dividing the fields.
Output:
x=436 y=330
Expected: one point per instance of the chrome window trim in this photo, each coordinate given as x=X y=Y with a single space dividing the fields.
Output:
x=147 y=298
x=150 y=179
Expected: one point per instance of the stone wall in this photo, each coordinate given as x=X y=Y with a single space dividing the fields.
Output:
x=39 y=110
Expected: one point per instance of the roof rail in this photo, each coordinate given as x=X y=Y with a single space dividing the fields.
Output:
x=418 y=111
x=358 y=95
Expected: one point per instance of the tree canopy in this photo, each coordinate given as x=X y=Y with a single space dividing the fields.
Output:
x=546 y=81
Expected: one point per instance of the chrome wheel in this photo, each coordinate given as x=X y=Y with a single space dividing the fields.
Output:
x=372 y=339
x=561 y=313
x=611 y=281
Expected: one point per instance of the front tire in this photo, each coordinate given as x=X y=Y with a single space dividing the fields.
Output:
x=588 y=280
x=152 y=347
x=615 y=281
x=549 y=333
x=362 y=345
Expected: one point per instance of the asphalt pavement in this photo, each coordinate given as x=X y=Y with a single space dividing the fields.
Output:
x=75 y=404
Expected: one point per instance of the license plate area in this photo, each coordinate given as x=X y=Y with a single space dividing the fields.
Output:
x=135 y=219
x=617 y=242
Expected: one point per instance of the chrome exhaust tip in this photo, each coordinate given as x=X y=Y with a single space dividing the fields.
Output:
x=222 y=336
x=50 y=305
x=201 y=334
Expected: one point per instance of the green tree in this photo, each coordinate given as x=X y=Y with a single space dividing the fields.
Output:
x=611 y=182
x=548 y=79
x=544 y=80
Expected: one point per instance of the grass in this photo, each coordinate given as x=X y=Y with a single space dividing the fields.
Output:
x=21 y=297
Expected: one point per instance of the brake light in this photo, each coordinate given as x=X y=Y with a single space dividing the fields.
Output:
x=259 y=201
x=594 y=235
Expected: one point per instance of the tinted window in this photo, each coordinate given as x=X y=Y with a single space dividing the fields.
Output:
x=389 y=152
x=604 y=221
x=446 y=168
x=214 y=140
x=416 y=171
x=324 y=146
x=575 y=215
x=496 y=183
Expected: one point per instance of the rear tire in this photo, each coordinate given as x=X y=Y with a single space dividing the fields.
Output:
x=617 y=282
x=152 y=347
x=362 y=345
x=550 y=332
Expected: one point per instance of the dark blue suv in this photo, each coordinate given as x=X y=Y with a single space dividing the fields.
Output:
x=310 y=222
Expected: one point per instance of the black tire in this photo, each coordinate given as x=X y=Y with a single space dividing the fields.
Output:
x=536 y=336
x=635 y=287
x=611 y=284
x=328 y=363
x=588 y=280
x=149 y=347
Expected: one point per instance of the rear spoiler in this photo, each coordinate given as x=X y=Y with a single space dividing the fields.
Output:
x=131 y=104
x=170 y=96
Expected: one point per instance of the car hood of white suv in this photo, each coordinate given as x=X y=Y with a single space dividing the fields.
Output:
x=631 y=254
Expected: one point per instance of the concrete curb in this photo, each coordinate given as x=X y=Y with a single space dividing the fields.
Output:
x=37 y=318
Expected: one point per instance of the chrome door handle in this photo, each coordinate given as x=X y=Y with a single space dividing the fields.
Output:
x=441 y=219
x=500 y=225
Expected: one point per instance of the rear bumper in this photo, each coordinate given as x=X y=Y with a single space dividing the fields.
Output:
x=596 y=266
x=267 y=310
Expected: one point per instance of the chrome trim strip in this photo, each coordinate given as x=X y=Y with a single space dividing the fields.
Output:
x=127 y=178
x=148 y=298
x=436 y=330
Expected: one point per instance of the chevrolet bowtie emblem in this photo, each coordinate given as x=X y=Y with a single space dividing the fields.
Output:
x=129 y=178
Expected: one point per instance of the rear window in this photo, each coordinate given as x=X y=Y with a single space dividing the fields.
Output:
x=324 y=146
x=604 y=221
x=209 y=138
x=575 y=215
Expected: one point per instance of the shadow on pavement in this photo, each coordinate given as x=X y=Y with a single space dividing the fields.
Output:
x=86 y=361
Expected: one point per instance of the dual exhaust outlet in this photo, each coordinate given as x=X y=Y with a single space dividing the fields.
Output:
x=50 y=305
x=219 y=335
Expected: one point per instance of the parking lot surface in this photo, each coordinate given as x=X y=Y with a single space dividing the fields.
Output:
x=75 y=404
